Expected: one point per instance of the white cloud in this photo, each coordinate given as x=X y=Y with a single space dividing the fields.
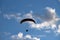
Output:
x=59 y=26
x=58 y=30
x=34 y=38
x=49 y=20
x=28 y=36
x=39 y=26
x=28 y=15
x=53 y=26
x=18 y=16
x=51 y=10
x=43 y=25
x=51 y=14
x=20 y=36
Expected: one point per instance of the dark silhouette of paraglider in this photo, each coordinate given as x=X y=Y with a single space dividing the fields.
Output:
x=27 y=19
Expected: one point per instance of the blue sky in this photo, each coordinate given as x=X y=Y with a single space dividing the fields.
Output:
x=46 y=13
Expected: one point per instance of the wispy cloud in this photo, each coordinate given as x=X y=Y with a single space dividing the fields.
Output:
x=5 y=33
x=18 y=16
x=20 y=36
x=13 y=16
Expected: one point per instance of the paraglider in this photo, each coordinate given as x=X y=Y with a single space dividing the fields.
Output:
x=27 y=19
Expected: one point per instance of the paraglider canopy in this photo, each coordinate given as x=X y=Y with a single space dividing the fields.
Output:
x=27 y=19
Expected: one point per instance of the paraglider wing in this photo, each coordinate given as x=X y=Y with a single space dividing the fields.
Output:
x=27 y=19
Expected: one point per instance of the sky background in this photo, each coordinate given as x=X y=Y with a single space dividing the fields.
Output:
x=44 y=12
